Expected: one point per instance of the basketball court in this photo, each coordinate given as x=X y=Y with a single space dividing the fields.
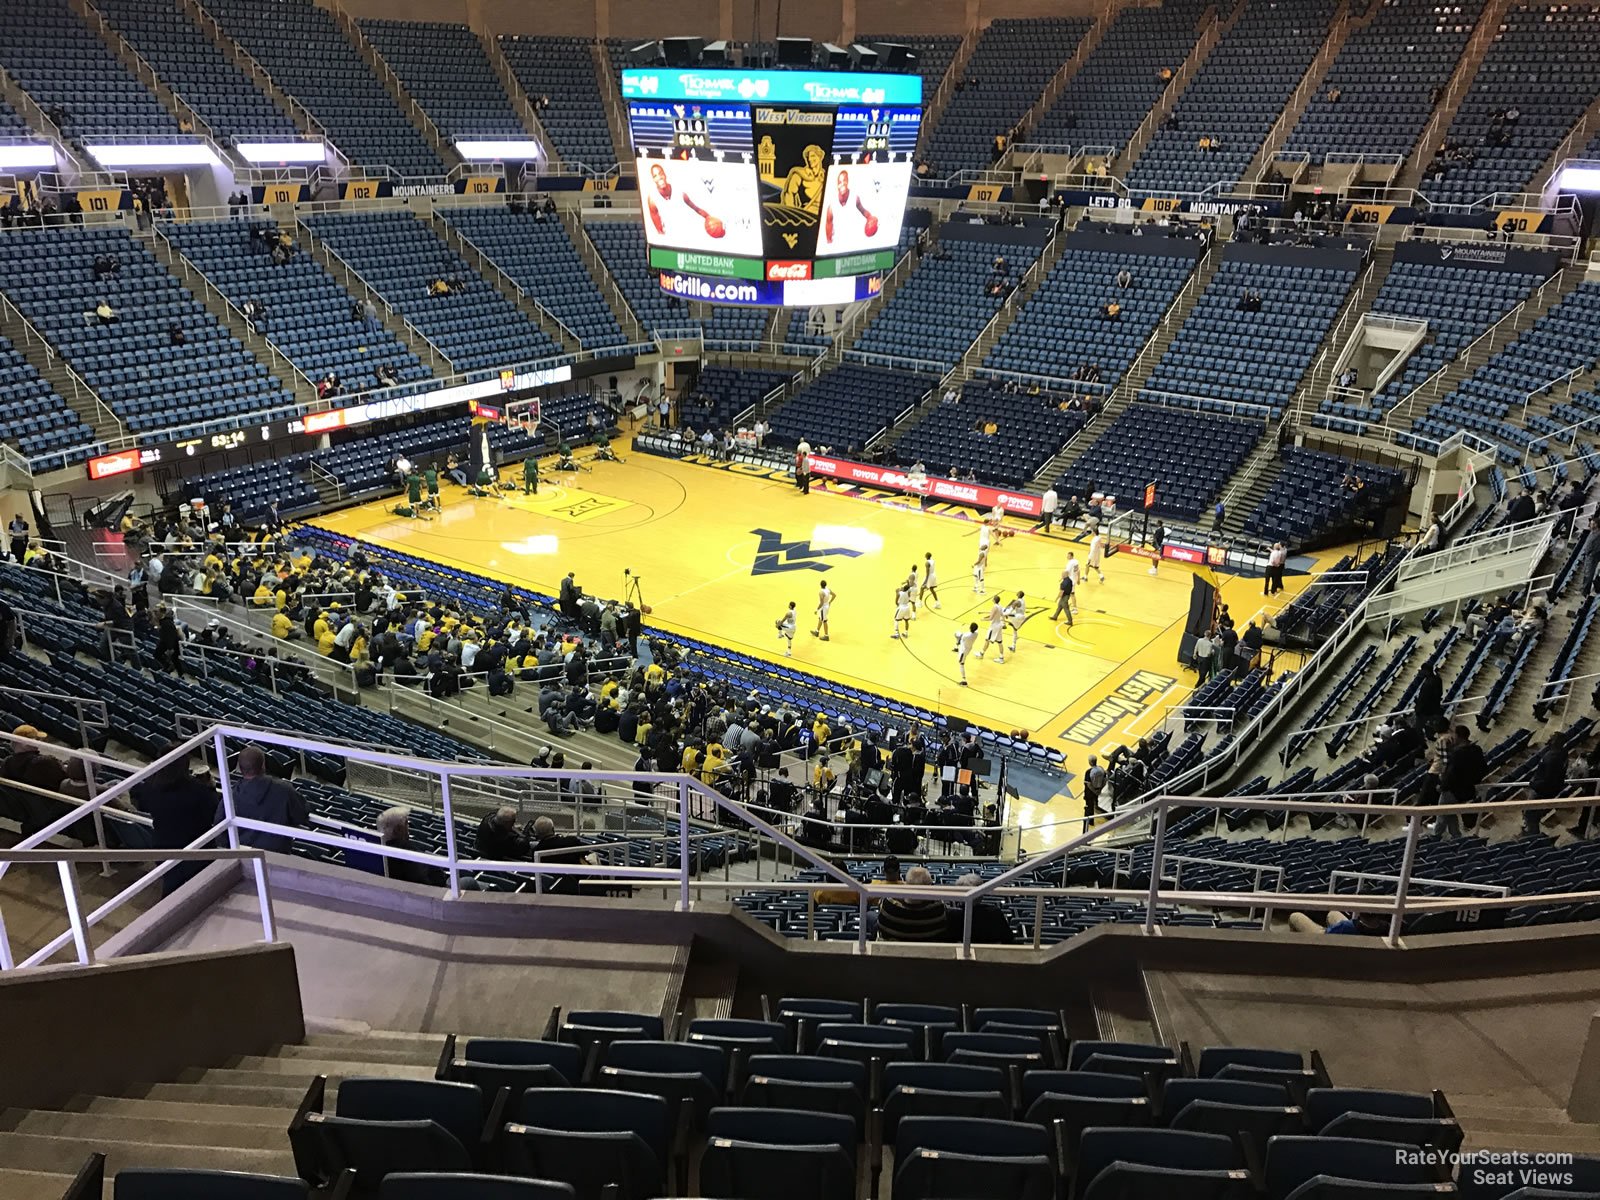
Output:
x=720 y=549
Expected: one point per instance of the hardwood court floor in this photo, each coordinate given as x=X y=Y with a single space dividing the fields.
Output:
x=721 y=552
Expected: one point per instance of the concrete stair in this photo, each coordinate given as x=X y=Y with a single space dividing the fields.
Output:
x=68 y=384
x=28 y=109
x=526 y=113
x=1339 y=31
x=1319 y=376
x=1091 y=40
x=1034 y=279
x=940 y=100
x=349 y=279
x=391 y=82
x=1251 y=483
x=247 y=62
x=1491 y=1125
x=1143 y=367
x=231 y=1117
x=1213 y=29
x=203 y=290
x=1454 y=92
x=596 y=266
x=504 y=284
x=616 y=111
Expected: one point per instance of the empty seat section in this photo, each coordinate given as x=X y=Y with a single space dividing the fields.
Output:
x=132 y=362
x=309 y=56
x=309 y=317
x=473 y=325
x=1234 y=98
x=443 y=68
x=198 y=72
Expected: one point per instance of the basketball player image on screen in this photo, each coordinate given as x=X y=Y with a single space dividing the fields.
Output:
x=866 y=205
x=690 y=204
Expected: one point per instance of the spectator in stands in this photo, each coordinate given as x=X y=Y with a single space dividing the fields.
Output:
x=394 y=831
x=1521 y=508
x=28 y=764
x=258 y=797
x=1462 y=771
x=169 y=642
x=907 y=920
x=1124 y=278
x=499 y=839
x=1546 y=781
x=180 y=805
x=18 y=532
x=105 y=312
x=547 y=841
x=175 y=334
x=1111 y=310
x=990 y=927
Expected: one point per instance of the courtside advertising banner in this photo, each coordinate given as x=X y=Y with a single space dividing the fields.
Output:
x=894 y=479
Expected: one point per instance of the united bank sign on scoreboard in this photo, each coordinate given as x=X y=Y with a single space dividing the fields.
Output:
x=794 y=182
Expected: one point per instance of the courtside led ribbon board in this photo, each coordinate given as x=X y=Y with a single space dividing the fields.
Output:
x=892 y=479
x=822 y=88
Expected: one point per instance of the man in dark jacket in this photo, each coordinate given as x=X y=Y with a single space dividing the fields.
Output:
x=989 y=924
x=258 y=797
x=546 y=839
x=499 y=840
x=1430 y=696
x=1547 y=780
x=180 y=805
x=1464 y=768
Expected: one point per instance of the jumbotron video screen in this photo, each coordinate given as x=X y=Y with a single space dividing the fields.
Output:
x=772 y=187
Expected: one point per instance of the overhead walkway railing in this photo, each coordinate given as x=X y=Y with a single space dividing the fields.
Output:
x=229 y=839
x=1500 y=560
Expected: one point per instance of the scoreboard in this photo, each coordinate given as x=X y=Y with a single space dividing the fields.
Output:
x=772 y=187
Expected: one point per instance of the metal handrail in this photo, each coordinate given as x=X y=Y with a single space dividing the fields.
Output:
x=80 y=388
x=522 y=292
x=1154 y=811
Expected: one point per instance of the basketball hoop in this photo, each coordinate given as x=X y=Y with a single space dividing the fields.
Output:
x=523 y=415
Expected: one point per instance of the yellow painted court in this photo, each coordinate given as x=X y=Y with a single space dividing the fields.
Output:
x=721 y=550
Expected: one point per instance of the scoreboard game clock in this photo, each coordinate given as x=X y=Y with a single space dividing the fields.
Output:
x=792 y=183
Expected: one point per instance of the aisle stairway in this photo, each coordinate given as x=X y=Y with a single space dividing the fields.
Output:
x=234 y=1117
x=1138 y=374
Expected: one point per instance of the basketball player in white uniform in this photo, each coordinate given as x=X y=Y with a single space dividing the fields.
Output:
x=911 y=590
x=964 y=641
x=997 y=631
x=1074 y=572
x=978 y=569
x=1097 y=554
x=825 y=599
x=984 y=535
x=930 y=579
x=786 y=624
x=902 y=612
x=1016 y=613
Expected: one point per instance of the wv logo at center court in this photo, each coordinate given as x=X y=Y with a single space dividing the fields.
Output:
x=774 y=555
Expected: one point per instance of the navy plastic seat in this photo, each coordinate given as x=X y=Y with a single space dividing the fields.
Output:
x=943 y=1158
x=1102 y=1150
x=385 y=1125
x=174 y=1183
x=592 y=1138
x=943 y=1090
x=471 y=1187
x=517 y=1063
x=1293 y=1163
